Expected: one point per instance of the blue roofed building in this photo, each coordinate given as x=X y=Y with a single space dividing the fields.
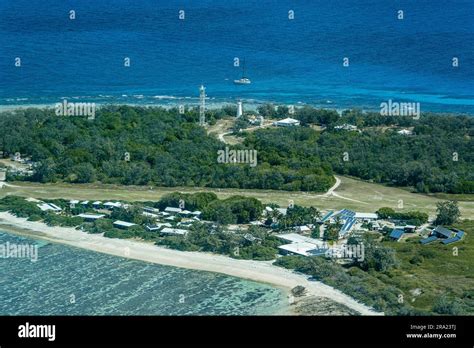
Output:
x=396 y=234
x=428 y=240
x=446 y=236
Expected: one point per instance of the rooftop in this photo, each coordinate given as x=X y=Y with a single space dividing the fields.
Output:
x=443 y=231
x=302 y=248
x=168 y=230
x=124 y=223
x=397 y=234
x=287 y=121
x=366 y=216
x=172 y=210
x=91 y=216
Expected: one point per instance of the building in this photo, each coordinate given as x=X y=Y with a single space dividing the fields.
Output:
x=151 y=210
x=327 y=216
x=49 y=207
x=405 y=132
x=302 y=248
x=455 y=238
x=287 y=122
x=157 y=227
x=251 y=238
x=396 y=234
x=123 y=224
x=174 y=231
x=303 y=229
x=348 y=219
x=112 y=205
x=91 y=217
x=97 y=204
x=442 y=232
x=409 y=228
x=445 y=235
x=366 y=216
x=3 y=175
x=150 y=215
x=172 y=210
x=301 y=245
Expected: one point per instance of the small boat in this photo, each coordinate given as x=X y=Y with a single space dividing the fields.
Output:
x=244 y=80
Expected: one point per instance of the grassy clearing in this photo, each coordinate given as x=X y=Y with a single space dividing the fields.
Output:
x=440 y=273
x=366 y=197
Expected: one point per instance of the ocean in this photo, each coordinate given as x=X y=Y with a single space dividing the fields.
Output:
x=294 y=61
x=71 y=281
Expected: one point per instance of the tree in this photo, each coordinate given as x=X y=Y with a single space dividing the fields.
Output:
x=85 y=173
x=45 y=172
x=332 y=232
x=447 y=307
x=385 y=213
x=376 y=256
x=448 y=213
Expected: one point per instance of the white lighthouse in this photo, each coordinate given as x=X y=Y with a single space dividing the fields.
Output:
x=239 y=109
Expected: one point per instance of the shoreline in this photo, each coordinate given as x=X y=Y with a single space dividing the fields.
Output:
x=251 y=104
x=258 y=271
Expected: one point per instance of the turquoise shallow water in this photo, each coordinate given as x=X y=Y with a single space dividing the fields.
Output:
x=72 y=281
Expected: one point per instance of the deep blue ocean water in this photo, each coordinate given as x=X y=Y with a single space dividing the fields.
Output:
x=71 y=281
x=288 y=61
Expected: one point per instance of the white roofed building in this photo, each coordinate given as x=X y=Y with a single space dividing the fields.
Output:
x=172 y=210
x=287 y=122
x=366 y=216
x=123 y=224
x=49 y=206
x=174 y=231
x=112 y=205
x=405 y=132
x=91 y=217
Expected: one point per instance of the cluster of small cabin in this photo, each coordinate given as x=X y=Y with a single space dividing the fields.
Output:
x=170 y=214
x=162 y=220
x=298 y=242
x=439 y=233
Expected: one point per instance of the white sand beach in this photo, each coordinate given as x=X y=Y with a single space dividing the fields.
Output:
x=258 y=271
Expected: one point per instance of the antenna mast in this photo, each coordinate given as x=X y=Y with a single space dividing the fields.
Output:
x=202 y=105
